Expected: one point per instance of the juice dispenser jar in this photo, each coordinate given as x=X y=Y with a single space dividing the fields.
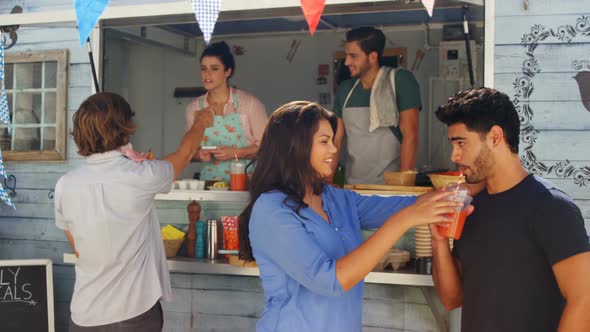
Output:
x=237 y=175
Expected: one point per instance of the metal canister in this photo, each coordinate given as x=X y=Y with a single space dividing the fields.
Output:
x=212 y=239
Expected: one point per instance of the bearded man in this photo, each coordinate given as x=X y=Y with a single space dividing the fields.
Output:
x=523 y=261
x=388 y=146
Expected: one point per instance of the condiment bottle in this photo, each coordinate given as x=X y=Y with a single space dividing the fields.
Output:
x=237 y=175
x=194 y=214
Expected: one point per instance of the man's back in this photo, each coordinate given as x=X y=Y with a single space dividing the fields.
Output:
x=107 y=205
x=507 y=250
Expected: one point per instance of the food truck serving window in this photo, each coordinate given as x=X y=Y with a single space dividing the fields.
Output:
x=36 y=88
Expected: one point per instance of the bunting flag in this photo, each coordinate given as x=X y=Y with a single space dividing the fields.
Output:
x=429 y=5
x=206 y=13
x=88 y=12
x=312 y=10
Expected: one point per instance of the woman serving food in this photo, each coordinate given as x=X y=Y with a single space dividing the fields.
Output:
x=239 y=117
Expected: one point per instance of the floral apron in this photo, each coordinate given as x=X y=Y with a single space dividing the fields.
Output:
x=228 y=131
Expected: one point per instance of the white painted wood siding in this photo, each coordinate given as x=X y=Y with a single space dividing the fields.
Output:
x=558 y=111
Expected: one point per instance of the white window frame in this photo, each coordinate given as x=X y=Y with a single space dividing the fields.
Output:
x=59 y=153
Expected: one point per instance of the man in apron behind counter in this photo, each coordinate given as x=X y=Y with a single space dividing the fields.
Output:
x=378 y=108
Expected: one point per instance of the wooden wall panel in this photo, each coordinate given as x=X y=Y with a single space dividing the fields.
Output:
x=549 y=87
x=551 y=58
x=511 y=29
x=541 y=7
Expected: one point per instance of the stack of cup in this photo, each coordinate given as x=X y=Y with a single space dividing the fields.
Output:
x=423 y=240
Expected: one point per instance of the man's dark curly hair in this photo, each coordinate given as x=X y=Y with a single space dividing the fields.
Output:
x=480 y=110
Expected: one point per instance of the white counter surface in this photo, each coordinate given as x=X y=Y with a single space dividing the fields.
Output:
x=199 y=266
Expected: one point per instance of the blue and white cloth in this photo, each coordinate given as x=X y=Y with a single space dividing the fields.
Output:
x=4 y=112
x=206 y=13
x=4 y=117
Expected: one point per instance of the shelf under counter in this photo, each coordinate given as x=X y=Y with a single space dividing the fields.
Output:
x=205 y=195
x=404 y=276
x=244 y=196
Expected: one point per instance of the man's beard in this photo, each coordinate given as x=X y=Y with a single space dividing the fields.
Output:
x=481 y=166
x=362 y=70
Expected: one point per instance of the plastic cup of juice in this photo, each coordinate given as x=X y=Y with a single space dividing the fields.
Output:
x=460 y=194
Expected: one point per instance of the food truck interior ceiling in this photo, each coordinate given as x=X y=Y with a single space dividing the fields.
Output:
x=334 y=17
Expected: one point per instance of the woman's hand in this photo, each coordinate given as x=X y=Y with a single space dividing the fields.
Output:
x=204 y=155
x=434 y=230
x=224 y=153
x=204 y=118
x=433 y=207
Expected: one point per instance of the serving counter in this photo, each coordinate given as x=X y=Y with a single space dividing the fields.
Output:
x=221 y=267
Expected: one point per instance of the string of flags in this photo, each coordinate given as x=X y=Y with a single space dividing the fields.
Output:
x=206 y=13
x=5 y=118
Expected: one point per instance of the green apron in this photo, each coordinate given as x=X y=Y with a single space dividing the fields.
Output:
x=228 y=131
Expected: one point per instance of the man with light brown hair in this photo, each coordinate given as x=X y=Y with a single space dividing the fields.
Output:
x=106 y=208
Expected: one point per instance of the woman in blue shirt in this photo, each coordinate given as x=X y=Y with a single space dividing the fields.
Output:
x=306 y=236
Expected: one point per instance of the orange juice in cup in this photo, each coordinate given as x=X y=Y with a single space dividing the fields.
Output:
x=460 y=194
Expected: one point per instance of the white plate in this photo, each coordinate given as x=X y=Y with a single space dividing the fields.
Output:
x=218 y=188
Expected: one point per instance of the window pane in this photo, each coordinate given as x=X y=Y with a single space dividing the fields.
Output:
x=26 y=139
x=49 y=110
x=50 y=74
x=8 y=75
x=4 y=139
x=28 y=108
x=28 y=75
x=49 y=138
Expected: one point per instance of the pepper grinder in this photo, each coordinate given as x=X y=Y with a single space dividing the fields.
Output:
x=194 y=214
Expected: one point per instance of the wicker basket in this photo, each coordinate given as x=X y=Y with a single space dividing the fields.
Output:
x=171 y=246
x=442 y=180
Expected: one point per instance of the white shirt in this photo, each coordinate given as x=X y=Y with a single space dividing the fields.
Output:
x=108 y=206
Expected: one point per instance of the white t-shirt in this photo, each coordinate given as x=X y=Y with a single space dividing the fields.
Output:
x=108 y=206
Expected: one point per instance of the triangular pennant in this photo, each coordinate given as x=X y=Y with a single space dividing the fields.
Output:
x=206 y=13
x=429 y=5
x=312 y=10
x=88 y=12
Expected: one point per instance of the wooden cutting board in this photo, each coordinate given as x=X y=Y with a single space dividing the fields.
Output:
x=389 y=188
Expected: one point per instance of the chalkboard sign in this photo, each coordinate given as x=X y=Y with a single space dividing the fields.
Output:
x=26 y=296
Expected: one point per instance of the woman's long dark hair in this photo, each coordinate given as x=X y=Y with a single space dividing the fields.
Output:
x=283 y=161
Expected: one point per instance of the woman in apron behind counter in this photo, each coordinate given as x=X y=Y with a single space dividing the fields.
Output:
x=239 y=117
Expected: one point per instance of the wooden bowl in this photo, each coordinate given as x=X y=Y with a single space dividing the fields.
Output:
x=441 y=180
x=406 y=178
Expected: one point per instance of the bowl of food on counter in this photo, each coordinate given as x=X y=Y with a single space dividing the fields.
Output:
x=443 y=179
x=219 y=186
x=405 y=178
